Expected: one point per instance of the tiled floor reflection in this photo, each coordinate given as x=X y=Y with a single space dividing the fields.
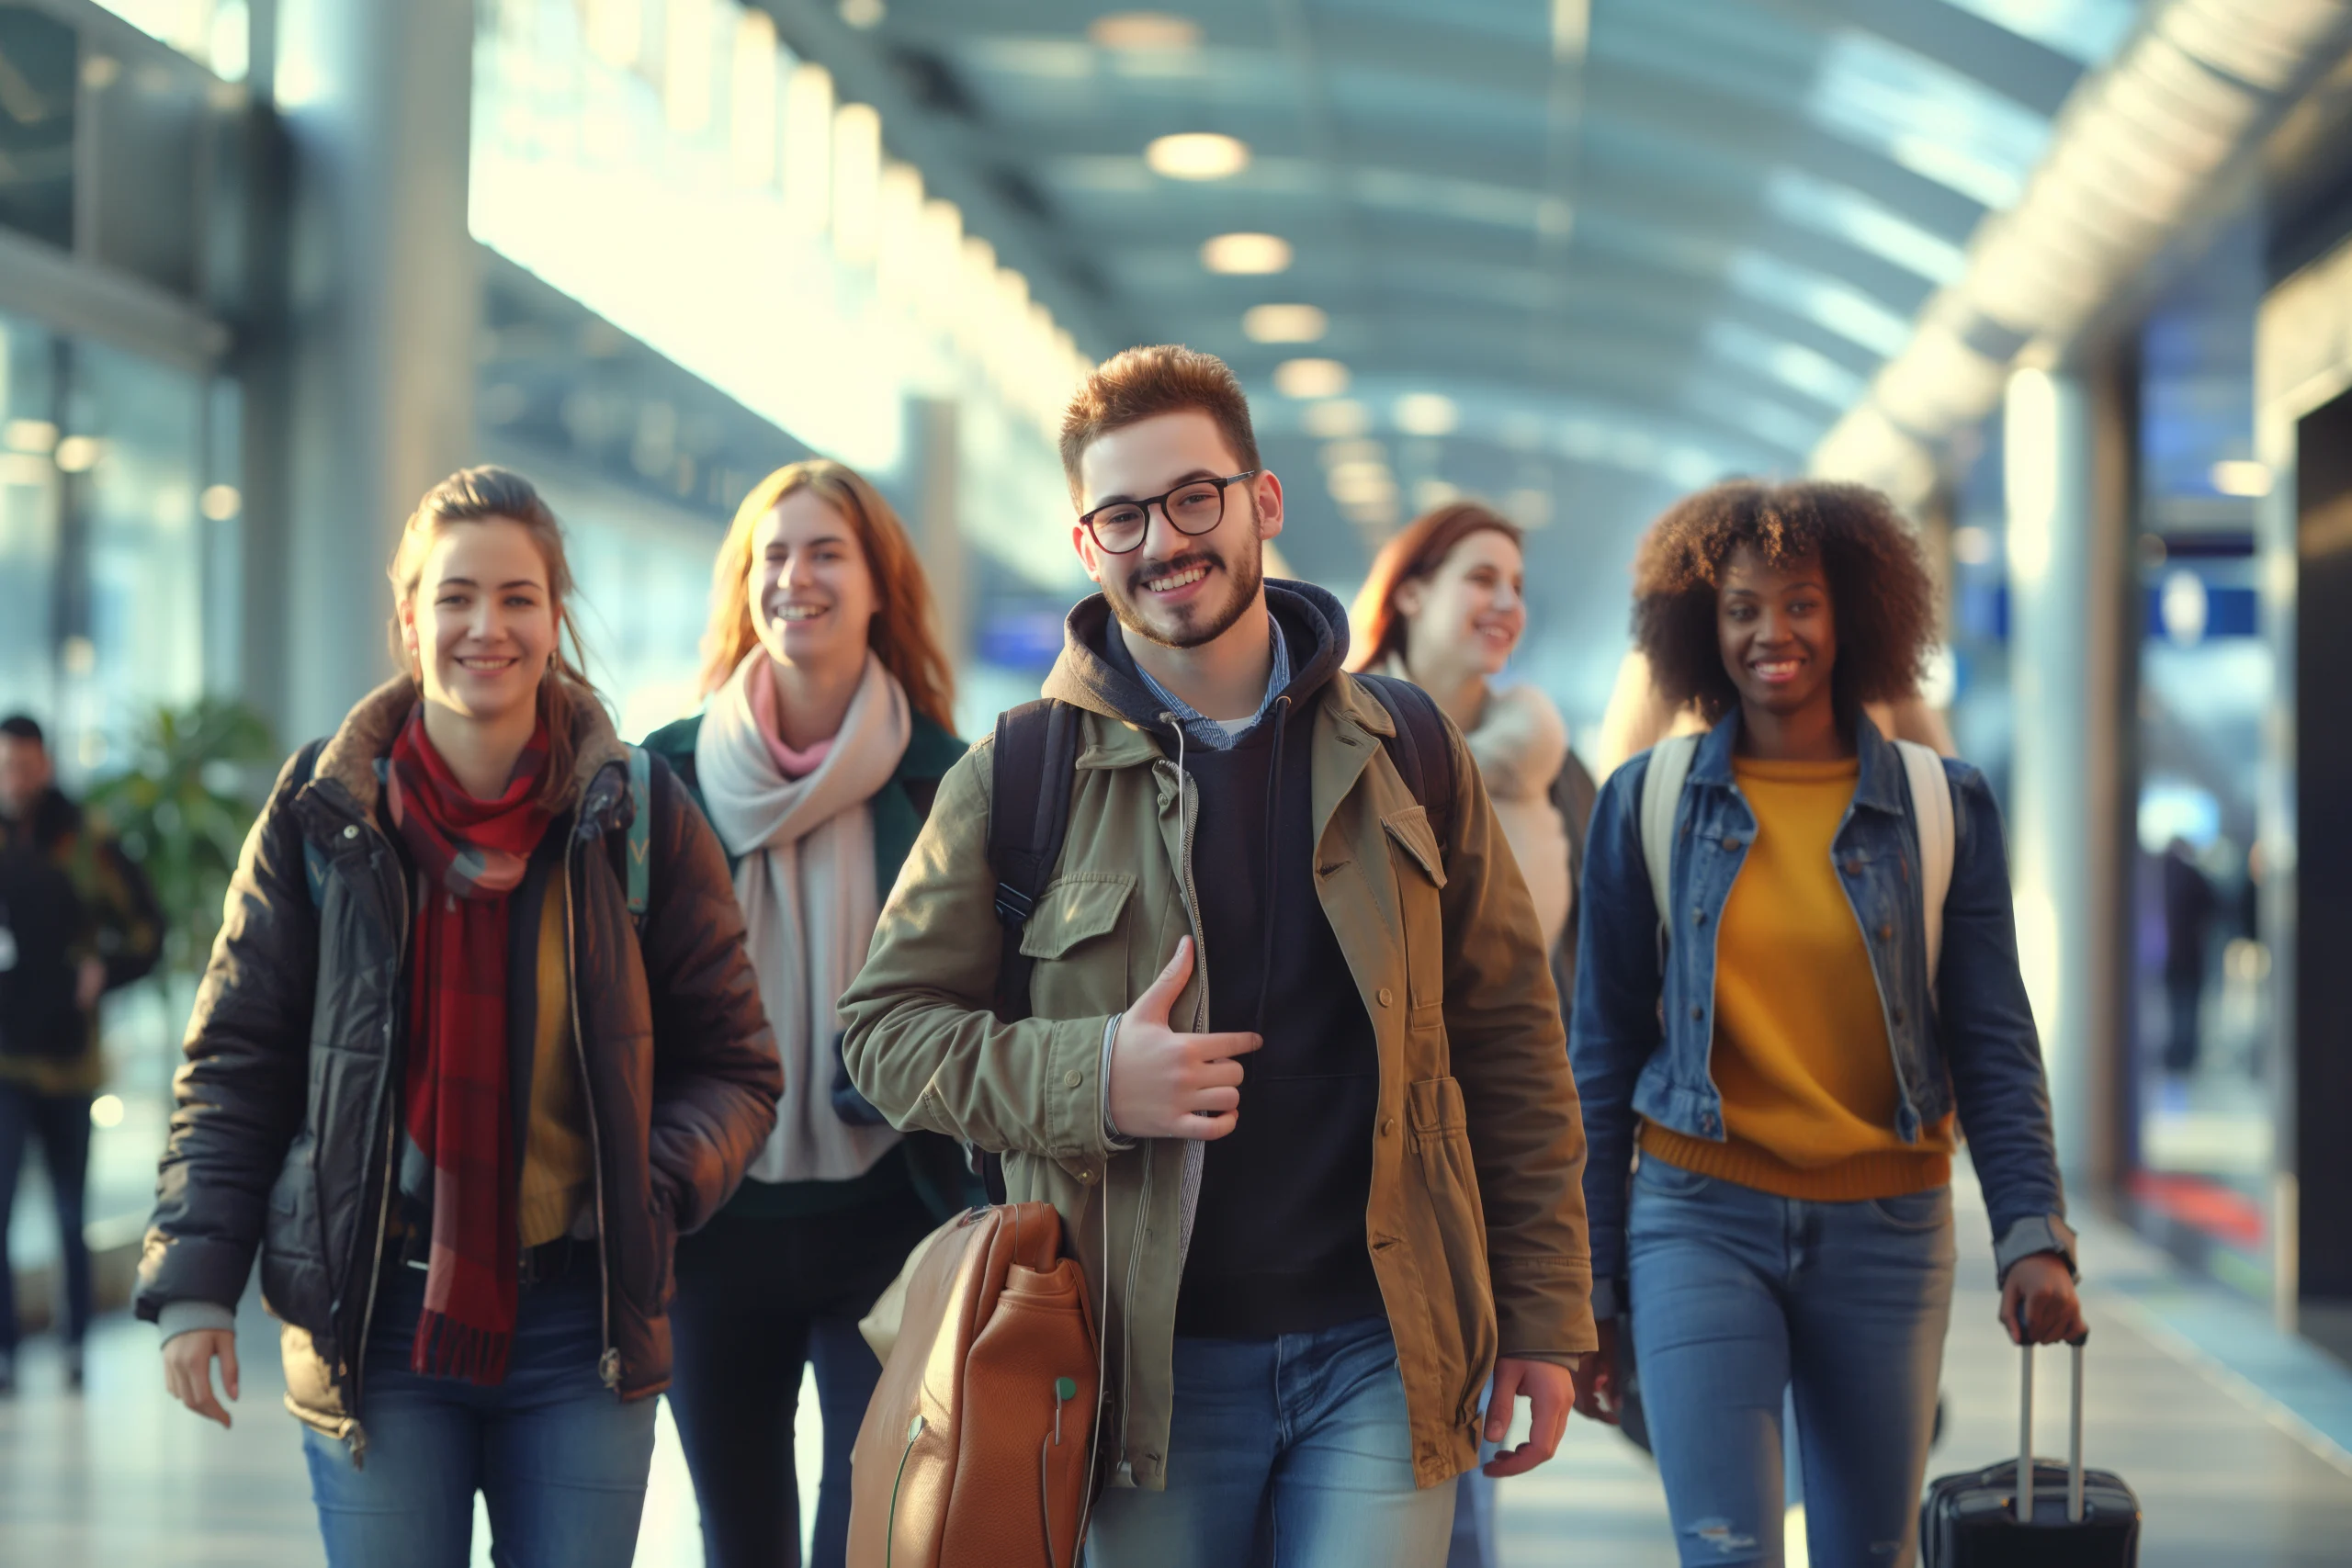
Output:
x=122 y=1475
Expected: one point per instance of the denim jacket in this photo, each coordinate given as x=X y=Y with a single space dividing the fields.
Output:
x=1642 y=1029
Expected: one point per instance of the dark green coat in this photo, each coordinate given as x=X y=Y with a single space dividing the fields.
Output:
x=935 y=1165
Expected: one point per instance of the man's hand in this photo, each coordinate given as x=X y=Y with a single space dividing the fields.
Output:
x=1166 y=1085
x=89 y=983
x=188 y=1369
x=1596 y=1388
x=1550 y=1390
x=2038 y=1302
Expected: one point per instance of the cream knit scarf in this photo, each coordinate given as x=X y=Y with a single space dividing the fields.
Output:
x=1520 y=745
x=807 y=885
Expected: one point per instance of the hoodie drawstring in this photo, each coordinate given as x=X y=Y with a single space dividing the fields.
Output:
x=1266 y=859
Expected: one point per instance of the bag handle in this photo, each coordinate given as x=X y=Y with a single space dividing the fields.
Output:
x=2024 y=1507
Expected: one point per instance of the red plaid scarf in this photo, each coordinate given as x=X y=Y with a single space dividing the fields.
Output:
x=469 y=855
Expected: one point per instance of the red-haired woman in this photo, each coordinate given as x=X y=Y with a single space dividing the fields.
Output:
x=1445 y=607
x=458 y=1094
x=825 y=736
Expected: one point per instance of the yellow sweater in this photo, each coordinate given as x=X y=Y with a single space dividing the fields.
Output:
x=558 y=1174
x=1800 y=1050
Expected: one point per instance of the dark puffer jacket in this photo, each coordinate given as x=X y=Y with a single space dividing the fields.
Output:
x=287 y=1105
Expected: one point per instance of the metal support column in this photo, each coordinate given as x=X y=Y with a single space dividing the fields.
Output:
x=361 y=378
x=2066 y=550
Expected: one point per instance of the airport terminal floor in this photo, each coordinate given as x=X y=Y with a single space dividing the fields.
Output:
x=2223 y=1428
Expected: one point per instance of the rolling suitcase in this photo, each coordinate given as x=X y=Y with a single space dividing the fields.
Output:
x=2071 y=1517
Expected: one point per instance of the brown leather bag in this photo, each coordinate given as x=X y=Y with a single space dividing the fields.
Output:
x=977 y=1449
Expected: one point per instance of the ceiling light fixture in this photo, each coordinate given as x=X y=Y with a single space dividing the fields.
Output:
x=1337 y=420
x=1285 y=323
x=1144 y=30
x=1309 y=379
x=1250 y=253
x=1426 y=413
x=1197 y=155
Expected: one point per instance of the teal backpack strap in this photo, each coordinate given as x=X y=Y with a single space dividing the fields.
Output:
x=640 y=829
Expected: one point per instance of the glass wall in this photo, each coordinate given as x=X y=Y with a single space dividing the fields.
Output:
x=108 y=584
x=28 y=494
x=2201 y=1048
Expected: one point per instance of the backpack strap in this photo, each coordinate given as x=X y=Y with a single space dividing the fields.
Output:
x=1923 y=771
x=639 y=873
x=1033 y=768
x=1670 y=770
x=1424 y=759
x=314 y=859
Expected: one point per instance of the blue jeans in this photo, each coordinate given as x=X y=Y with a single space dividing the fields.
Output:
x=1738 y=1296
x=1283 y=1453
x=561 y=1461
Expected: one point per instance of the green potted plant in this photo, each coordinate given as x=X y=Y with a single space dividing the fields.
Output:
x=181 y=807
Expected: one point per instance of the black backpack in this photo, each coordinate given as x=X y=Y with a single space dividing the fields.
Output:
x=1037 y=760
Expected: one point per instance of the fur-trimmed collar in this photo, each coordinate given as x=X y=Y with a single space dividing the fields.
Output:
x=368 y=732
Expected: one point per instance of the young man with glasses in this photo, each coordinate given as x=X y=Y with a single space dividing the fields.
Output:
x=1293 y=1073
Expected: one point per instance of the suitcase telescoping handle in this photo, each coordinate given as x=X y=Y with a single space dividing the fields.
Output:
x=2074 y=1439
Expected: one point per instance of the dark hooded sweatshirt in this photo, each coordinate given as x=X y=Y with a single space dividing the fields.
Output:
x=1278 y=1239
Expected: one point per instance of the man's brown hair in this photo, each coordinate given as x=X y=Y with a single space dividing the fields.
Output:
x=1144 y=383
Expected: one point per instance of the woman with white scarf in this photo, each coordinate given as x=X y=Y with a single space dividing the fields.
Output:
x=816 y=759
x=1445 y=607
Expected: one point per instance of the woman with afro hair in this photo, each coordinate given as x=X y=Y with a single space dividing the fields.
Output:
x=1794 y=1039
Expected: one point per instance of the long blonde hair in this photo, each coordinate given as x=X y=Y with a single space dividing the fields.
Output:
x=903 y=633
x=483 y=495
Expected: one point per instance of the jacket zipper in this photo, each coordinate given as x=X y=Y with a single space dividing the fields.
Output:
x=608 y=1364
x=358 y=1436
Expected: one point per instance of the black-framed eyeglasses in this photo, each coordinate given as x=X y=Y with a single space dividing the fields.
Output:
x=1194 y=507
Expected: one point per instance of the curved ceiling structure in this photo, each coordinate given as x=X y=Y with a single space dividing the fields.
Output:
x=1576 y=254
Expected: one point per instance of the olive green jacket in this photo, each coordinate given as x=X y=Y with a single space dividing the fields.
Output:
x=1476 y=1220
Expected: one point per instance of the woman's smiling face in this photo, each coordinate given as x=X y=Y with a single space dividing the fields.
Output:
x=812 y=592
x=482 y=626
x=1470 y=613
x=1777 y=630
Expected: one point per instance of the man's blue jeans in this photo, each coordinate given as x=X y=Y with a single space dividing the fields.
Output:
x=1738 y=1296
x=561 y=1461
x=1283 y=1453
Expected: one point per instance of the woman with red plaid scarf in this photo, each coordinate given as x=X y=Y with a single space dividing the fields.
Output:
x=461 y=1083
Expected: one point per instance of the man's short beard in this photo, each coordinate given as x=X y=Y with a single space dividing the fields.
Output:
x=1248 y=576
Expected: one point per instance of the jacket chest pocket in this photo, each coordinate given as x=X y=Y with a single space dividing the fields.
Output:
x=1074 y=935
x=1413 y=854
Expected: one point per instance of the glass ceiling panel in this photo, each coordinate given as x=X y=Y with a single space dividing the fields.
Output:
x=1927 y=116
x=2083 y=30
x=1806 y=201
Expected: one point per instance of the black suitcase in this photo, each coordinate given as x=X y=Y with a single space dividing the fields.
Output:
x=2073 y=1517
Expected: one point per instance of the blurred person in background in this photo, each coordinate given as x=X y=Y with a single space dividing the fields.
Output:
x=2191 y=905
x=1777 y=1046
x=827 y=732
x=460 y=1086
x=1445 y=607
x=77 y=919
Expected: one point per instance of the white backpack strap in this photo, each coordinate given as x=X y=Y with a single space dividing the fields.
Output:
x=1670 y=770
x=1923 y=770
